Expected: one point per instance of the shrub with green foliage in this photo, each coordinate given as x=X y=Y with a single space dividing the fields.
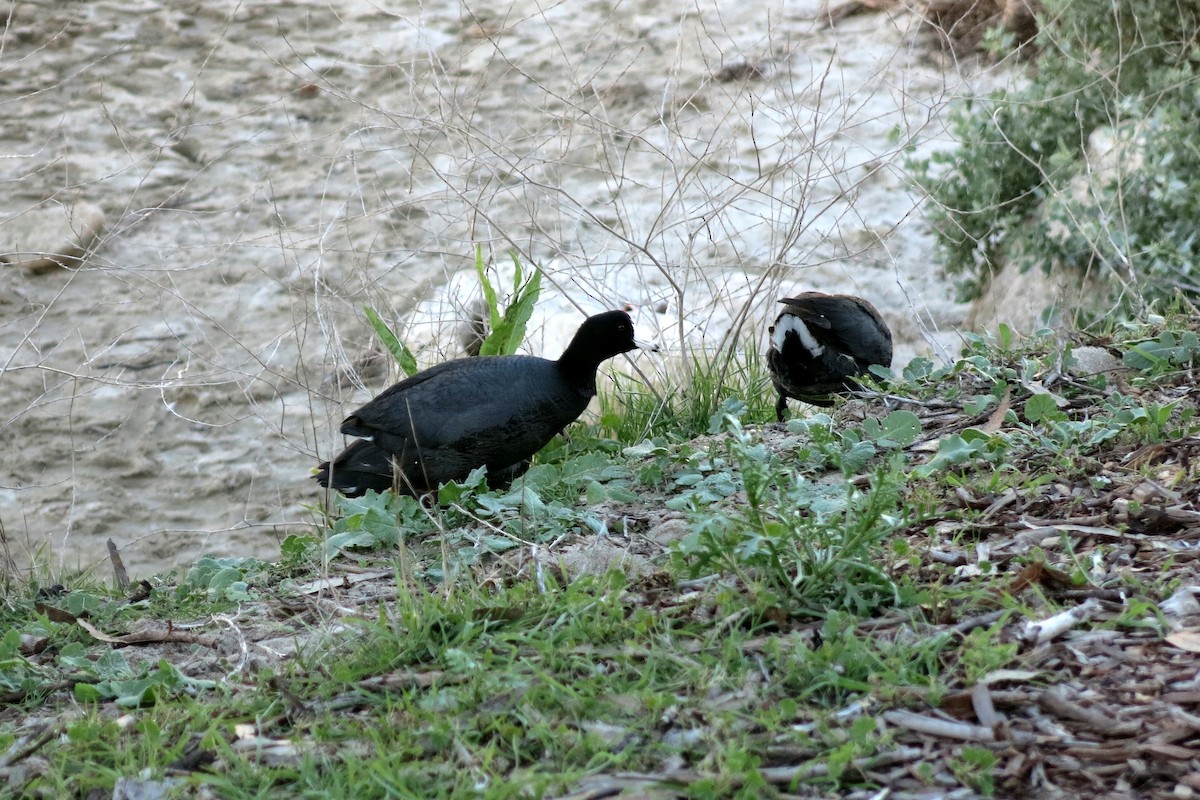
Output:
x=1023 y=188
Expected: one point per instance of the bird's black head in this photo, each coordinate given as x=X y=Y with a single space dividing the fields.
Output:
x=603 y=336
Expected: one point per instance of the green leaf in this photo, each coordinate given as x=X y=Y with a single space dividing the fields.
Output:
x=1005 y=337
x=1041 y=407
x=489 y=294
x=239 y=591
x=373 y=519
x=403 y=356
x=900 y=428
x=521 y=310
x=86 y=693
x=223 y=580
x=541 y=476
x=596 y=493
x=1163 y=351
x=728 y=416
x=455 y=492
x=590 y=466
x=344 y=541
x=918 y=368
x=131 y=694
x=621 y=494
x=10 y=645
x=975 y=437
x=977 y=405
x=498 y=544
x=952 y=451
x=295 y=548
x=73 y=656
x=856 y=457
x=79 y=603
x=522 y=499
x=644 y=449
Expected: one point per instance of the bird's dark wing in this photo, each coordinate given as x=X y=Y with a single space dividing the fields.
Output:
x=852 y=324
x=451 y=403
x=812 y=307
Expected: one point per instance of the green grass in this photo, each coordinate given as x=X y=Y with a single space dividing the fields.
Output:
x=796 y=607
x=692 y=399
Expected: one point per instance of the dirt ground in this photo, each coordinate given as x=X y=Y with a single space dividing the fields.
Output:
x=256 y=173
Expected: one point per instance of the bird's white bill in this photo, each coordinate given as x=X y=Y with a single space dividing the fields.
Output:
x=651 y=346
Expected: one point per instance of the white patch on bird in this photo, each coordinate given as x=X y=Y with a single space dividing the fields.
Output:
x=790 y=322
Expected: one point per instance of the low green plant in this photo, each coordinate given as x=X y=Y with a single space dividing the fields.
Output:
x=850 y=449
x=976 y=767
x=848 y=663
x=377 y=519
x=969 y=449
x=19 y=676
x=1165 y=353
x=221 y=579
x=982 y=652
x=111 y=677
x=549 y=501
x=506 y=327
x=799 y=544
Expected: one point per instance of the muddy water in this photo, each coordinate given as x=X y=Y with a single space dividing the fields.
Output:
x=266 y=169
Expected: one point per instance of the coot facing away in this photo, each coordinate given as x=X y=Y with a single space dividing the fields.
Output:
x=820 y=343
x=492 y=411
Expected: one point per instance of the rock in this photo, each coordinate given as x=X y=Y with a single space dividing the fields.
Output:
x=1034 y=298
x=1093 y=361
x=596 y=556
x=51 y=236
x=671 y=529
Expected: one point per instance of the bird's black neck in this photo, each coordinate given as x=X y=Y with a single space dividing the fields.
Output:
x=579 y=371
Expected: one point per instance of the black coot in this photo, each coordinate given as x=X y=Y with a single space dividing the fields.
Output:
x=820 y=343
x=493 y=411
